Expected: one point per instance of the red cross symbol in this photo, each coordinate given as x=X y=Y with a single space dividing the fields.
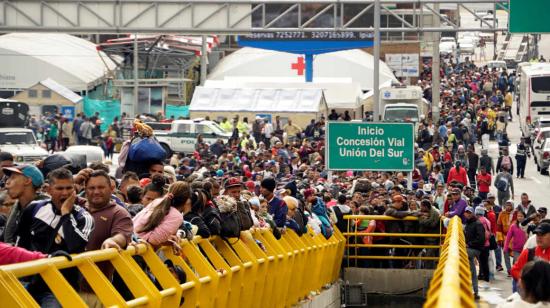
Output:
x=299 y=66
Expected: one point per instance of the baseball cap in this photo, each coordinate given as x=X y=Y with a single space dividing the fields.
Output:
x=490 y=195
x=542 y=209
x=542 y=228
x=29 y=171
x=480 y=210
x=233 y=182
x=469 y=209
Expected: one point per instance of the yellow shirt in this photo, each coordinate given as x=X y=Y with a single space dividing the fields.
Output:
x=508 y=99
x=226 y=126
x=292 y=130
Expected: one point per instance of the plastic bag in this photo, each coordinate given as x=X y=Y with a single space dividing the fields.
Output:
x=146 y=149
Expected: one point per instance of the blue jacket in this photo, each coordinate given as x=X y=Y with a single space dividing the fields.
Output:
x=278 y=209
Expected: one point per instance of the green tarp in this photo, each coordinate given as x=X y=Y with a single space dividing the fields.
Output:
x=108 y=110
x=177 y=111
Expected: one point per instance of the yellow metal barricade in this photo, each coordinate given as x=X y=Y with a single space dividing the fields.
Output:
x=451 y=284
x=353 y=233
x=220 y=272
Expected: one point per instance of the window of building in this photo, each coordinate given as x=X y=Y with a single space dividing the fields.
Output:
x=33 y=93
x=46 y=93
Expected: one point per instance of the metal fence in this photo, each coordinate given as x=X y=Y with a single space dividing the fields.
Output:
x=220 y=273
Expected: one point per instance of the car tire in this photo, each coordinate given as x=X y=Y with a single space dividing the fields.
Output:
x=167 y=150
x=544 y=171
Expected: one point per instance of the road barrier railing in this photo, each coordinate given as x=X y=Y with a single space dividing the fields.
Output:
x=257 y=268
x=451 y=284
x=354 y=243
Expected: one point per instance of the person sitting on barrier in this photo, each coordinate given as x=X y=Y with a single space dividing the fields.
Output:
x=23 y=184
x=160 y=221
x=59 y=223
x=475 y=240
x=533 y=286
x=113 y=227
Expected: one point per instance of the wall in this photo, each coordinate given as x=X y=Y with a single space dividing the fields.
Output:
x=55 y=98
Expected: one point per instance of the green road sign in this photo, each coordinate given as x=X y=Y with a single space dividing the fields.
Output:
x=370 y=146
x=529 y=16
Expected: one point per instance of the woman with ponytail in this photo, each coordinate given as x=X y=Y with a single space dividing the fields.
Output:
x=159 y=221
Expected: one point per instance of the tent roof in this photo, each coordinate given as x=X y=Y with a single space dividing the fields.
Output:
x=76 y=57
x=355 y=64
x=339 y=93
x=61 y=90
x=256 y=100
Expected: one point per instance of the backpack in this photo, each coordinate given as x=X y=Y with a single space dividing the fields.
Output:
x=230 y=225
x=506 y=162
x=502 y=83
x=212 y=219
x=245 y=217
x=502 y=184
x=362 y=185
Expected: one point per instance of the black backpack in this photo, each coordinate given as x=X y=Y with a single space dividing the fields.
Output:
x=245 y=217
x=230 y=224
x=212 y=219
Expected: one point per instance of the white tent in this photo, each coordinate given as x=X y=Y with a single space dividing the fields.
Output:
x=28 y=58
x=340 y=93
x=355 y=64
x=299 y=104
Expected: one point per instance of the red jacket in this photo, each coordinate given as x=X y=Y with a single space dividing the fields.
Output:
x=493 y=220
x=461 y=176
x=522 y=260
x=10 y=254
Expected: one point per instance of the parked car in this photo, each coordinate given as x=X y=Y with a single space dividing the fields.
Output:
x=542 y=156
x=499 y=65
x=466 y=46
x=183 y=134
x=22 y=144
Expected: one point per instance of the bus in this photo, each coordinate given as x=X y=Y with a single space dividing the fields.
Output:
x=534 y=98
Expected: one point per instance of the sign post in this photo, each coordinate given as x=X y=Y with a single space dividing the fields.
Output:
x=367 y=146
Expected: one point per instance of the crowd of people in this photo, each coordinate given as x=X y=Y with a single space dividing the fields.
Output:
x=273 y=176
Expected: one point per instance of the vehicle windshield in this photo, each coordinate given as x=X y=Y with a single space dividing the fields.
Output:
x=449 y=39
x=17 y=138
x=401 y=115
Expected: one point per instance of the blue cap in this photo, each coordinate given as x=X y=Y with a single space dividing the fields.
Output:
x=469 y=209
x=29 y=171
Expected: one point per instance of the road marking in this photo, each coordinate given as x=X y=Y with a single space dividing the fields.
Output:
x=536 y=180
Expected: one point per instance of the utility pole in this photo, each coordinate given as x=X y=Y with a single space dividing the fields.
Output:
x=436 y=61
x=136 y=77
x=376 y=83
x=204 y=59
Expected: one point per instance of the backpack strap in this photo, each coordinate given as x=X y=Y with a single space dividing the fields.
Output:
x=531 y=254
